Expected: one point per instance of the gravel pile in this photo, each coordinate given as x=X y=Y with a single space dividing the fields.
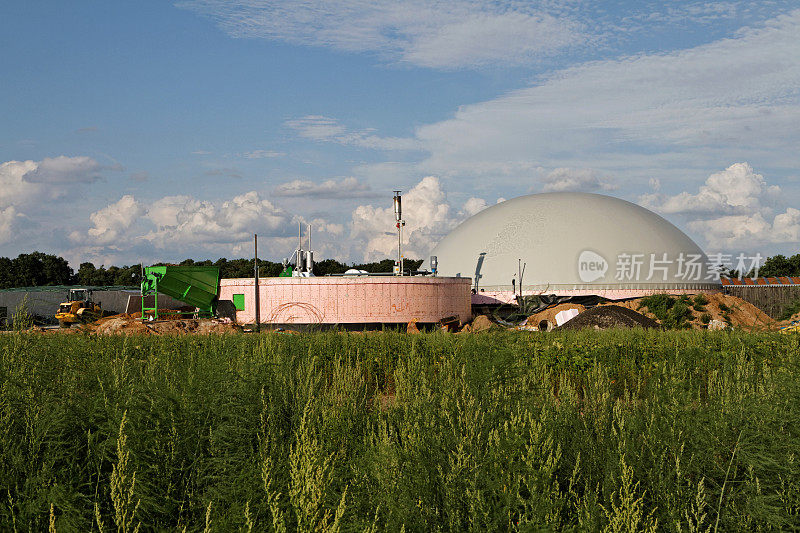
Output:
x=610 y=316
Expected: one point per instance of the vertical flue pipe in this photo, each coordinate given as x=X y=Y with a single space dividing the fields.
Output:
x=256 y=287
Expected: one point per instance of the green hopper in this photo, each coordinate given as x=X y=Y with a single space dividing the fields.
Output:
x=198 y=286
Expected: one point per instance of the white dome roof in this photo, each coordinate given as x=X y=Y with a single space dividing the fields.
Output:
x=564 y=239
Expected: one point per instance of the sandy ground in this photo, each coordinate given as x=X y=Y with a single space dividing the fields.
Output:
x=122 y=324
x=133 y=325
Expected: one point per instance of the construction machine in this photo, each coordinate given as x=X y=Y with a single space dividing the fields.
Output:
x=793 y=327
x=197 y=286
x=80 y=309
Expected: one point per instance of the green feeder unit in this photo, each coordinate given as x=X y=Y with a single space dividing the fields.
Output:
x=197 y=286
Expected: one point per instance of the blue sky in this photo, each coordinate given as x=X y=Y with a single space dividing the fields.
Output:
x=157 y=131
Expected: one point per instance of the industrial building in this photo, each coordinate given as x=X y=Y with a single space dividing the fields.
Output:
x=562 y=244
x=350 y=300
x=297 y=296
x=572 y=244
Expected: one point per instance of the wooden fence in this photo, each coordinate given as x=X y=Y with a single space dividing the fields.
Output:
x=772 y=300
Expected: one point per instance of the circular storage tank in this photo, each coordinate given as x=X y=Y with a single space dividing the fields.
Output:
x=574 y=243
x=349 y=300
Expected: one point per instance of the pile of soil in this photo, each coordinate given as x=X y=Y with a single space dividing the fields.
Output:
x=481 y=323
x=549 y=315
x=610 y=316
x=126 y=325
x=119 y=325
x=738 y=313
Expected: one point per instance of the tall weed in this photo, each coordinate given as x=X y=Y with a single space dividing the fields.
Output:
x=581 y=431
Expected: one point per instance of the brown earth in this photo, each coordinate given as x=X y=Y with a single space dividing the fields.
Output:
x=550 y=313
x=740 y=314
x=482 y=323
x=127 y=325
x=610 y=316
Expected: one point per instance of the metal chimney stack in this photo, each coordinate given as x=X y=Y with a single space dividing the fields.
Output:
x=398 y=206
x=399 y=223
x=309 y=254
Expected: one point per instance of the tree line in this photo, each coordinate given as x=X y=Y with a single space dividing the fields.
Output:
x=780 y=265
x=38 y=269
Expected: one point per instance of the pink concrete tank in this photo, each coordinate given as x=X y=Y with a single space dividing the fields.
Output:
x=350 y=300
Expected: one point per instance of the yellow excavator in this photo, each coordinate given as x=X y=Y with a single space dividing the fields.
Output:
x=80 y=309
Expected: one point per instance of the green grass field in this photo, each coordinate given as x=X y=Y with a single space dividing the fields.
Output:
x=618 y=431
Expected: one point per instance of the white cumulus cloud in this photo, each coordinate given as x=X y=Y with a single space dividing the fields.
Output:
x=736 y=190
x=111 y=222
x=473 y=206
x=183 y=220
x=733 y=209
x=35 y=191
x=7 y=219
x=63 y=169
x=24 y=183
x=13 y=187
x=575 y=179
x=428 y=215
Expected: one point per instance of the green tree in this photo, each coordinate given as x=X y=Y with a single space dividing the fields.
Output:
x=329 y=266
x=6 y=273
x=780 y=265
x=128 y=276
x=86 y=274
x=37 y=269
x=56 y=270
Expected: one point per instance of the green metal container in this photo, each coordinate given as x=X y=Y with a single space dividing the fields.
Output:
x=198 y=286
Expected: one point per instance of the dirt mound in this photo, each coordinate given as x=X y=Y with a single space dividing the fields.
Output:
x=549 y=315
x=125 y=325
x=610 y=316
x=739 y=313
x=733 y=311
x=482 y=323
x=119 y=325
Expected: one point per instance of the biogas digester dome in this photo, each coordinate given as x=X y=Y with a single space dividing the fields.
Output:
x=573 y=243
